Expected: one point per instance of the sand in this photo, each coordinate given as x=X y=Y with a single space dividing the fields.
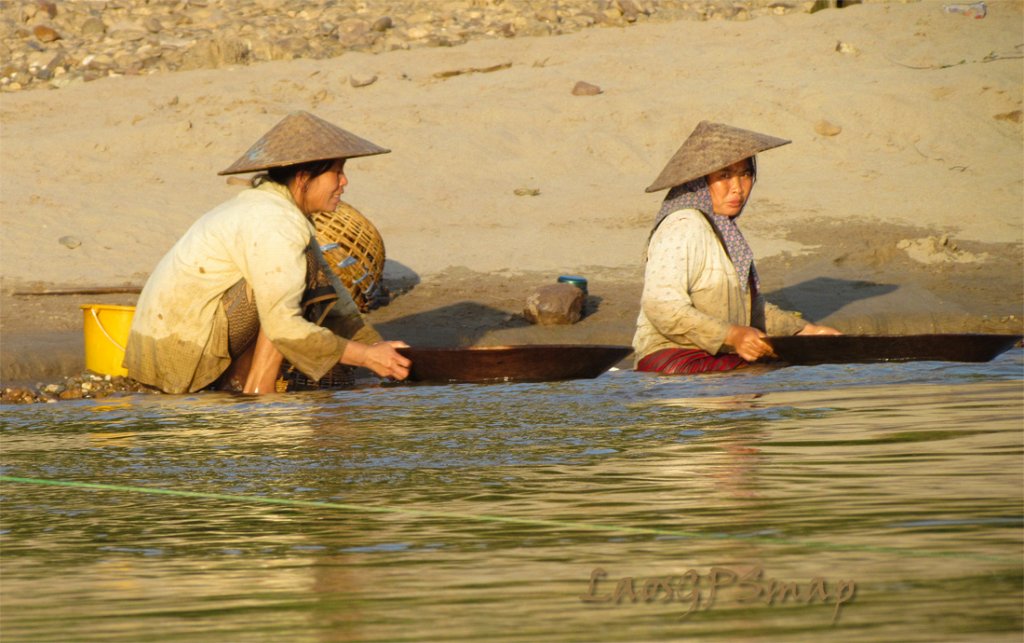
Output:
x=898 y=208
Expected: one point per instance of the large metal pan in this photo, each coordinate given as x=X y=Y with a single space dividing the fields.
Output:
x=845 y=349
x=527 y=363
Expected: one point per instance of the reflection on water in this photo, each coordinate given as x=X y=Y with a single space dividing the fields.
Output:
x=528 y=511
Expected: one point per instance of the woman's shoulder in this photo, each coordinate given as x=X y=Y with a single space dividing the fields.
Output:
x=257 y=213
x=253 y=204
x=684 y=216
x=262 y=197
x=684 y=221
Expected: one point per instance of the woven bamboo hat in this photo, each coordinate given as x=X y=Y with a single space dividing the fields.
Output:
x=710 y=147
x=302 y=137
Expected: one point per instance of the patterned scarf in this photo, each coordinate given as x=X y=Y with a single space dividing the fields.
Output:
x=695 y=195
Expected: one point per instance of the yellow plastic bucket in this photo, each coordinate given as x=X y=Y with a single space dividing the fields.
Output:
x=106 y=335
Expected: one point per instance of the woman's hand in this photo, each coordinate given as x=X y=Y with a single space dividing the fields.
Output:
x=815 y=329
x=384 y=360
x=381 y=358
x=748 y=342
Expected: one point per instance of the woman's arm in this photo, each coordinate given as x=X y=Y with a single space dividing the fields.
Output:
x=782 y=322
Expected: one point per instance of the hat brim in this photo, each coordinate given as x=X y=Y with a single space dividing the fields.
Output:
x=302 y=137
x=710 y=147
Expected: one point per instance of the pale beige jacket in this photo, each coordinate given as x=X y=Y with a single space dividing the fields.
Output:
x=178 y=340
x=692 y=293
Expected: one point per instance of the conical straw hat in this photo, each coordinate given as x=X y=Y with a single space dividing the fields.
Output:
x=302 y=137
x=710 y=147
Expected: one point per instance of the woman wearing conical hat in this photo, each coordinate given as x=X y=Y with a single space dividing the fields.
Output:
x=245 y=288
x=702 y=308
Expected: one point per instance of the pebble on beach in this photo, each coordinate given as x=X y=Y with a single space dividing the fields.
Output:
x=846 y=48
x=362 y=80
x=827 y=128
x=87 y=385
x=70 y=242
x=583 y=88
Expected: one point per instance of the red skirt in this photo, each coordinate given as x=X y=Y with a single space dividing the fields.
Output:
x=686 y=361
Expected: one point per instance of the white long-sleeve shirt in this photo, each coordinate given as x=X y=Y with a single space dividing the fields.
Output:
x=692 y=292
x=178 y=340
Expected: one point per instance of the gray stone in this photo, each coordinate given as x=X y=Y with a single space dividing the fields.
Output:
x=355 y=33
x=126 y=31
x=152 y=24
x=215 y=53
x=630 y=9
x=126 y=62
x=554 y=304
x=547 y=14
x=49 y=8
x=93 y=27
x=382 y=24
x=98 y=62
x=44 y=59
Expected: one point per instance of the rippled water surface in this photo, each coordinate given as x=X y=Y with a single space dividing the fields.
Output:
x=859 y=503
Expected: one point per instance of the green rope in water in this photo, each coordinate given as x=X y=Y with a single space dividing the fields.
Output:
x=534 y=522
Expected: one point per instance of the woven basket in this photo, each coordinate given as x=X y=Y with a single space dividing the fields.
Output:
x=339 y=377
x=354 y=250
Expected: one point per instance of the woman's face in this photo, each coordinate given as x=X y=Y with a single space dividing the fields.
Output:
x=323 y=192
x=730 y=187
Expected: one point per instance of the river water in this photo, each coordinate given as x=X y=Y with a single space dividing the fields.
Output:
x=878 y=502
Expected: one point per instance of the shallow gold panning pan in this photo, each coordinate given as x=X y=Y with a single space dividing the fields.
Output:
x=850 y=349
x=526 y=363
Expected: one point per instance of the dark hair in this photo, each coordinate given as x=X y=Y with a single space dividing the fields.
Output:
x=285 y=173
